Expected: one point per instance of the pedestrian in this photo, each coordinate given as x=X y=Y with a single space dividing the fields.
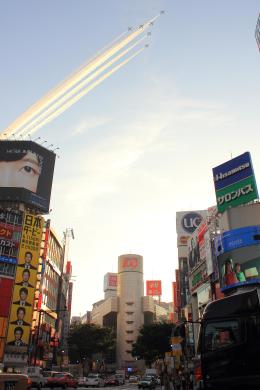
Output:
x=191 y=380
x=177 y=382
x=183 y=381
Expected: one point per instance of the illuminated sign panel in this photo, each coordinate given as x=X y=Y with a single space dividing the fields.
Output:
x=153 y=288
x=25 y=282
x=238 y=256
x=235 y=182
x=26 y=172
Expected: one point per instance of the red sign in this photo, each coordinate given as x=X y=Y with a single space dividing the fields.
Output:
x=178 y=291
x=174 y=293
x=6 y=292
x=10 y=232
x=130 y=262
x=112 y=280
x=153 y=288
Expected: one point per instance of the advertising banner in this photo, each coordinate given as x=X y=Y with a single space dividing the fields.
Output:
x=235 y=182
x=154 y=288
x=25 y=282
x=26 y=173
x=174 y=294
x=239 y=257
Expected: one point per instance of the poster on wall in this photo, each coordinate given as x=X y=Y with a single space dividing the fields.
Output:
x=24 y=285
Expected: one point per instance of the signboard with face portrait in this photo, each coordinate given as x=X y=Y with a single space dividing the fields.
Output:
x=25 y=282
x=26 y=172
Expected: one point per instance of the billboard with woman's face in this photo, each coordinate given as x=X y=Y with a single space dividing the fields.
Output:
x=238 y=255
x=26 y=173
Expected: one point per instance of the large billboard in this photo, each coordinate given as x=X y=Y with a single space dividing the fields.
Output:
x=238 y=256
x=26 y=173
x=235 y=182
x=154 y=288
x=25 y=282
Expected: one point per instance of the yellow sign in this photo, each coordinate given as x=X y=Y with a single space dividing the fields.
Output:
x=25 y=282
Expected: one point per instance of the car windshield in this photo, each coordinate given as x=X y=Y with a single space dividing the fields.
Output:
x=58 y=375
x=146 y=378
x=92 y=376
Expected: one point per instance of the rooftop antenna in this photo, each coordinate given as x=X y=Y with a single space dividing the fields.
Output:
x=36 y=139
x=55 y=149
x=49 y=146
x=13 y=136
x=43 y=142
x=29 y=135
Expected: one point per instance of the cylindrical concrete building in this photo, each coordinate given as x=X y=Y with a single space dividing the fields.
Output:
x=130 y=290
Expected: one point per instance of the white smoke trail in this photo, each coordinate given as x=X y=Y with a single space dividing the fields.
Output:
x=77 y=97
x=62 y=88
x=77 y=88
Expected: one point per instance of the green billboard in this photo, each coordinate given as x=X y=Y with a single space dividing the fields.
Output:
x=236 y=194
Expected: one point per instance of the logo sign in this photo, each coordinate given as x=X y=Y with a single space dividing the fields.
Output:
x=190 y=222
x=235 y=182
x=257 y=32
x=130 y=263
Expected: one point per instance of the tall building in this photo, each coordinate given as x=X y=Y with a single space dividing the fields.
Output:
x=125 y=308
x=130 y=317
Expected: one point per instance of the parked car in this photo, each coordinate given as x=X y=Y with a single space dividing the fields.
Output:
x=82 y=381
x=147 y=382
x=35 y=376
x=112 y=381
x=133 y=379
x=14 y=381
x=62 y=379
x=120 y=378
x=45 y=376
x=94 y=380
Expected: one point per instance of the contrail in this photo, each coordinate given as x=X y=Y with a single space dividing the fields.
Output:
x=74 y=99
x=62 y=88
x=76 y=89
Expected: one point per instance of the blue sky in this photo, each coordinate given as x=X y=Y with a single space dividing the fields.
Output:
x=142 y=144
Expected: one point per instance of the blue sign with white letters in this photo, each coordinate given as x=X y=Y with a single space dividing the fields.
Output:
x=237 y=238
x=9 y=260
x=233 y=171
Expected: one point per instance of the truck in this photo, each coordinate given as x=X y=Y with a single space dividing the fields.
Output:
x=229 y=342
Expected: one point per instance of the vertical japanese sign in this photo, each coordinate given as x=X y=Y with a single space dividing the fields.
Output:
x=25 y=283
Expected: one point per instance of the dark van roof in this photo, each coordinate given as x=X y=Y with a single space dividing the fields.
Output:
x=244 y=302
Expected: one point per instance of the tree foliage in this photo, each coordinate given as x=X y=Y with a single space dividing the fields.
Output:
x=87 y=339
x=152 y=342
